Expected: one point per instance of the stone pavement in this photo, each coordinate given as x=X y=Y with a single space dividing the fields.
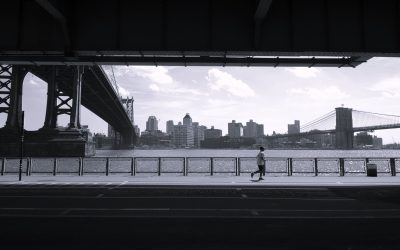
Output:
x=203 y=180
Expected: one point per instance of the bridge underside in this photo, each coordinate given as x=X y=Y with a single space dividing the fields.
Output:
x=68 y=88
x=216 y=32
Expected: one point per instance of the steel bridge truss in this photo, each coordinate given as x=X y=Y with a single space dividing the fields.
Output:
x=5 y=87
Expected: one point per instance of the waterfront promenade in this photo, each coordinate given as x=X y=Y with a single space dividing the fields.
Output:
x=199 y=212
x=199 y=180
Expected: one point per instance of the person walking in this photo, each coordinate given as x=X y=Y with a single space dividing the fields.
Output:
x=260 y=163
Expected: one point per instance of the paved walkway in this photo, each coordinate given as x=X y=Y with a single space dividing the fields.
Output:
x=204 y=180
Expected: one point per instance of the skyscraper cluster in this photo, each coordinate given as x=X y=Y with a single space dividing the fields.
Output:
x=251 y=130
x=189 y=134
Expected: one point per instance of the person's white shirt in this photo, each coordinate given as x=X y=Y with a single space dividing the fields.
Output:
x=261 y=158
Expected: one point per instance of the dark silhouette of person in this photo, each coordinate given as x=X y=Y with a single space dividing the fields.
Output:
x=260 y=163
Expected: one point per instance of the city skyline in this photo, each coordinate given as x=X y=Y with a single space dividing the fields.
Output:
x=215 y=96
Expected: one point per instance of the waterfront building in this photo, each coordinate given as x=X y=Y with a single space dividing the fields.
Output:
x=212 y=133
x=182 y=135
x=187 y=120
x=170 y=127
x=253 y=130
x=260 y=130
x=294 y=128
x=377 y=142
x=235 y=130
x=198 y=133
x=152 y=124
x=250 y=129
x=155 y=138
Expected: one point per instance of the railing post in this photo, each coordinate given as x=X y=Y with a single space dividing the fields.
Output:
x=54 y=166
x=28 y=166
x=341 y=166
x=132 y=166
x=393 y=166
x=211 y=166
x=236 y=166
x=239 y=167
x=3 y=165
x=159 y=166
x=290 y=166
x=316 y=166
x=80 y=166
x=107 y=165
x=184 y=166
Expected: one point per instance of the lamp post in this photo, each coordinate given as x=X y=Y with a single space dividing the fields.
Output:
x=21 y=146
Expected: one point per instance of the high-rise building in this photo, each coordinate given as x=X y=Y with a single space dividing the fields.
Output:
x=212 y=133
x=235 y=130
x=294 y=128
x=250 y=129
x=152 y=124
x=260 y=130
x=198 y=133
x=170 y=127
x=182 y=136
x=187 y=120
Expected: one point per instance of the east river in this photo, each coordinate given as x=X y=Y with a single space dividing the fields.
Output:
x=395 y=153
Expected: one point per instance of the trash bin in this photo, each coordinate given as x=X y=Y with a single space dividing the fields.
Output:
x=371 y=169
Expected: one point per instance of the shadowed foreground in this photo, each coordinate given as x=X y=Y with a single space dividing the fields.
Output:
x=123 y=216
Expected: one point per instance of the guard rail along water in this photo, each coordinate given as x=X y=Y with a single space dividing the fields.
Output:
x=234 y=166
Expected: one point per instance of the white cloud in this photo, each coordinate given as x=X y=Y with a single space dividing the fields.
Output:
x=154 y=87
x=329 y=93
x=158 y=75
x=220 y=80
x=123 y=92
x=389 y=87
x=303 y=72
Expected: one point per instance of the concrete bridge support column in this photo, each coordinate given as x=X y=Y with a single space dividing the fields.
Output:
x=344 y=128
x=51 y=108
x=75 y=116
x=12 y=77
x=15 y=109
x=127 y=138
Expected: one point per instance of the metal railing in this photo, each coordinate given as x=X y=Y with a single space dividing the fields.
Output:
x=185 y=166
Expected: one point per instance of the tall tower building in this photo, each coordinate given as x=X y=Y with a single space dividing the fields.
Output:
x=152 y=124
x=235 y=130
x=182 y=136
x=170 y=127
x=294 y=128
x=260 y=130
x=251 y=129
x=187 y=120
x=198 y=133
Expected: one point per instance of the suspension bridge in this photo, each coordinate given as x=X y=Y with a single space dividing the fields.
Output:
x=344 y=122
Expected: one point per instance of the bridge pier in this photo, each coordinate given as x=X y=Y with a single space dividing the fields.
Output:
x=344 y=128
x=50 y=140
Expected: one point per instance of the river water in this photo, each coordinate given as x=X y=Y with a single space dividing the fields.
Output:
x=250 y=153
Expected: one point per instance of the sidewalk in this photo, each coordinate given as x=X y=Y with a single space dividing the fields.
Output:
x=202 y=180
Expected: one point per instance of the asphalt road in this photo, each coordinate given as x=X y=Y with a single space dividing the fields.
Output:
x=123 y=216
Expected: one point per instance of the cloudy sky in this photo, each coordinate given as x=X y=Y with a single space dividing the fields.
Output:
x=216 y=95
